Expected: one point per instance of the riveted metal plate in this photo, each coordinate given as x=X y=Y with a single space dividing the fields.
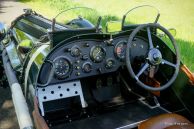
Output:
x=59 y=91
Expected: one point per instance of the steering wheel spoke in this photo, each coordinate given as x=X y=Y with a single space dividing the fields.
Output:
x=168 y=63
x=142 y=70
x=150 y=38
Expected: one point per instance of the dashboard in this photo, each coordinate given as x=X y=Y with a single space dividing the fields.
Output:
x=85 y=58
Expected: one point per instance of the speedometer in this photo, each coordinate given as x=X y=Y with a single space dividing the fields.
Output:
x=120 y=49
x=97 y=54
x=62 y=67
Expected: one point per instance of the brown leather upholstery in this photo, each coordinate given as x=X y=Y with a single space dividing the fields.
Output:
x=167 y=121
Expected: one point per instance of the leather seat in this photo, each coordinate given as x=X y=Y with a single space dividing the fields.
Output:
x=167 y=121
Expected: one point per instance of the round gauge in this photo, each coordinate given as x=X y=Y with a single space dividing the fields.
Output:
x=120 y=49
x=62 y=67
x=109 y=63
x=87 y=67
x=75 y=51
x=97 y=54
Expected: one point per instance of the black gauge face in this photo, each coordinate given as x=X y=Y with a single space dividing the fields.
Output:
x=109 y=63
x=120 y=49
x=75 y=51
x=97 y=54
x=62 y=67
x=87 y=67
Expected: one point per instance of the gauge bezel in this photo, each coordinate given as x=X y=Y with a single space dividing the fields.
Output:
x=91 y=55
x=115 y=49
x=113 y=63
x=86 y=64
x=70 y=68
x=75 y=47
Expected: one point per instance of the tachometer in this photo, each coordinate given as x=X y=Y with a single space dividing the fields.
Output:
x=97 y=54
x=120 y=49
x=62 y=67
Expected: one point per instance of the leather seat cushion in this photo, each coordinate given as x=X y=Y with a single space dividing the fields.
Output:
x=167 y=121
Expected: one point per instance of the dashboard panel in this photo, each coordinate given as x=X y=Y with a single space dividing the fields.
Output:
x=85 y=58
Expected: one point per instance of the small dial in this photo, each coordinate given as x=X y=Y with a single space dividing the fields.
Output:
x=120 y=49
x=87 y=67
x=97 y=54
x=109 y=63
x=62 y=67
x=75 y=51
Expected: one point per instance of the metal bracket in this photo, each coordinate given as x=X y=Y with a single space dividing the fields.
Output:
x=59 y=91
x=157 y=104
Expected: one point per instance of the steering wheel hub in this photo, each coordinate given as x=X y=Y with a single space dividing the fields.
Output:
x=155 y=56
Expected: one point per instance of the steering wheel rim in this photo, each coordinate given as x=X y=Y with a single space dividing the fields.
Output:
x=151 y=48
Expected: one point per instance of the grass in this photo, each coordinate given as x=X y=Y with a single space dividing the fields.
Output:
x=174 y=14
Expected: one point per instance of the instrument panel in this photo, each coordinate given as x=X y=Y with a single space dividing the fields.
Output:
x=85 y=58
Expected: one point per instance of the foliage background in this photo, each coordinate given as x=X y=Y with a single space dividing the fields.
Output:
x=176 y=14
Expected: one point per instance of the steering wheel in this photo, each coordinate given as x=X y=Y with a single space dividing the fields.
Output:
x=153 y=58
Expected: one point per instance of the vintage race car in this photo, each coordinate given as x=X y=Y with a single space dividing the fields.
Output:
x=76 y=76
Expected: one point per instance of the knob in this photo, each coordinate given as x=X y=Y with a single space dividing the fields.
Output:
x=75 y=51
x=86 y=45
x=67 y=50
x=77 y=73
x=77 y=61
x=77 y=67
